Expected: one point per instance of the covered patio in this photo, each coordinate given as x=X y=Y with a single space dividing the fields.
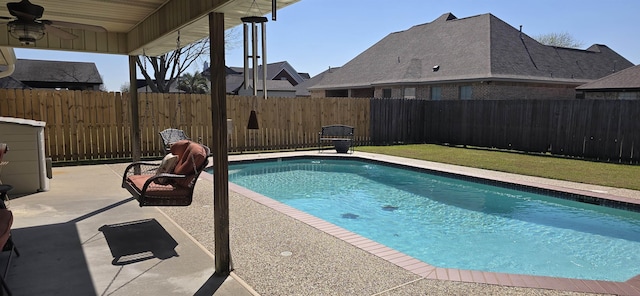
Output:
x=148 y=28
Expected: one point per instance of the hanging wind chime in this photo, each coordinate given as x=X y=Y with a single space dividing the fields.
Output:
x=253 y=22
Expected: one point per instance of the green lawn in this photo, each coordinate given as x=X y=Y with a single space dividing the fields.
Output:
x=598 y=173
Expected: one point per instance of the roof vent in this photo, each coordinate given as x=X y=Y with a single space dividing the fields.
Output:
x=436 y=68
x=520 y=32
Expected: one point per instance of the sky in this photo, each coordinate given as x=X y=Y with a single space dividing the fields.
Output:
x=313 y=35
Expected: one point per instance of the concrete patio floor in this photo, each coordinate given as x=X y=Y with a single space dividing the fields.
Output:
x=86 y=236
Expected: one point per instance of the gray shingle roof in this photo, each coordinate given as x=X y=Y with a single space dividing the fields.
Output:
x=234 y=83
x=10 y=82
x=273 y=70
x=477 y=47
x=56 y=71
x=276 y=85
x=628 y=78
x=302 y=89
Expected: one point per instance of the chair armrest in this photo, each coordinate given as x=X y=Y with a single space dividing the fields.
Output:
x=144 y=168
x=147 y=166
x=167 y=175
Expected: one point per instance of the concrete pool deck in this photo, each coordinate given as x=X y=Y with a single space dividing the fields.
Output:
x=427 y=272
x=274 y=251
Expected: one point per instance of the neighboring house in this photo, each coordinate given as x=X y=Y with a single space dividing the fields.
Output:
x=10 y=82
x=277 y=71
x=207 y=73
x=302 y=89
x=305 y=76
x=53 y=75
x=275 y=88
x=234 y=82
x=622 y=85
x=478 y=57
x=281 y=78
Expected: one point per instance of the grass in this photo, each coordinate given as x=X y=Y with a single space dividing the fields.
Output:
x=581 y=171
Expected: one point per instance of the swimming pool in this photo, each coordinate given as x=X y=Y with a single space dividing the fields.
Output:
x=453 y=223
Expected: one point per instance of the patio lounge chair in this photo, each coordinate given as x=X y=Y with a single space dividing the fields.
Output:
x=170 y=136
x=171 y=182
x=6 y=244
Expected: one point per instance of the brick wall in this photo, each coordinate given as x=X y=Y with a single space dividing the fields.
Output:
x=527 y=91
x=396 y=92
x=612 y=95
x=362 y=93
x=489 y=91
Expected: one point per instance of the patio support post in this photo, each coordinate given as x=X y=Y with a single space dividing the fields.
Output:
x=136 y=153
x=220 y=158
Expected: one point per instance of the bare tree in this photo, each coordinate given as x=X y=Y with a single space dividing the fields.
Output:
x=558 y=39
x=163 y=71
x=75 y=77
x=124 y=87
x=102 y=86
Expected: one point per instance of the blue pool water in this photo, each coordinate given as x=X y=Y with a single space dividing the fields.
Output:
x=453 y=223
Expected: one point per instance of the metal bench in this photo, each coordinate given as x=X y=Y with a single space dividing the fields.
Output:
x=341 y=136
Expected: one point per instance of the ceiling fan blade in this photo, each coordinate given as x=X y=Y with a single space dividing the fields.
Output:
x=23 y=16
x=7 y=18
x=74 y=26
x=62 y=34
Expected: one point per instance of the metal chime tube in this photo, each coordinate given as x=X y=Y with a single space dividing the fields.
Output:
x=274 y=9
x=254 y=53
x=264 y=59
x=245 y=31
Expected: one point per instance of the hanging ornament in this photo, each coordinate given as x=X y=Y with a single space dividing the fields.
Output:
x=253 y=121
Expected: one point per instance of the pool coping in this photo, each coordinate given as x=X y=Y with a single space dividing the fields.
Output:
x=427 y=271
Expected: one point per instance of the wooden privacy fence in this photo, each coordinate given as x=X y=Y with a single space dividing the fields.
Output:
x=593 y=129
x=92 y=125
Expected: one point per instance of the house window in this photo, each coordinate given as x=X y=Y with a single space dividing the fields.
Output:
x=409 y=92
x=627 y=96
x=337 y=93
x=436 y=93
x=386 y=93
x=465 y=92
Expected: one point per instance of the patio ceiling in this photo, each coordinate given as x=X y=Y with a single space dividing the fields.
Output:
x=136 y=26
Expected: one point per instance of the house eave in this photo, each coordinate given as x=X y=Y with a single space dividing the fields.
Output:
x=340 y=86
x=451 y=80
x=628 y=89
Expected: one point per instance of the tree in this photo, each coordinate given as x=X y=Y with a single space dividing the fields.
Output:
x=559 y=40
x=193 y=84
x=162 y=71
x=124 y=88
x=168 y=67
x=102 y=86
